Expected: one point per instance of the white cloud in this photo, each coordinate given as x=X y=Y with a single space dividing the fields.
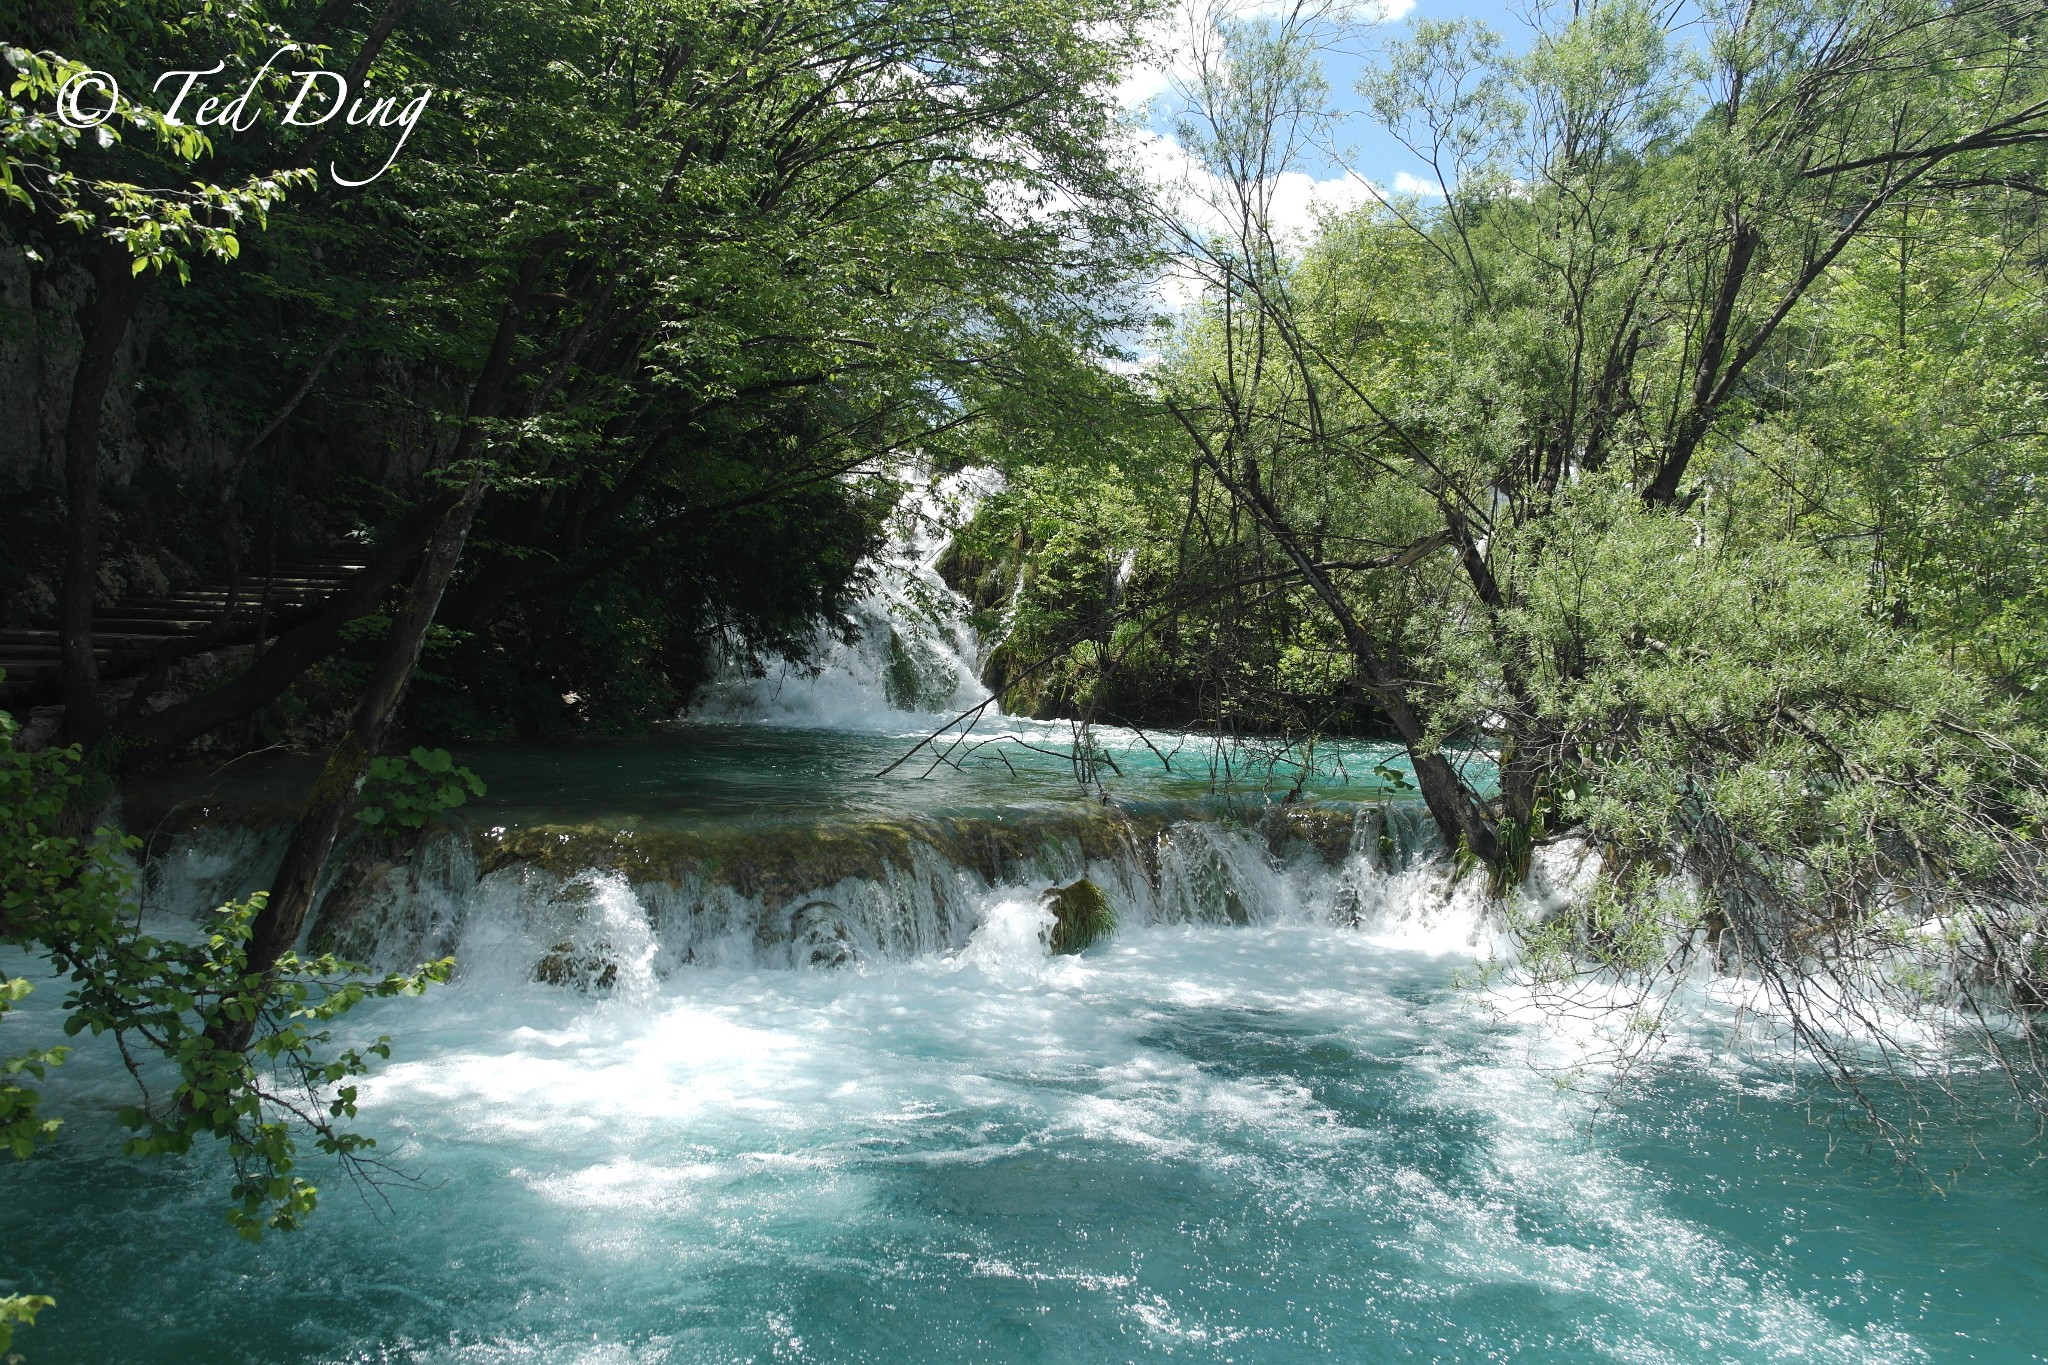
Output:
x=1405 y=183
x=1171 y=39
x=1362 y=11
x=1141 y=85
x=1299 y=200
x=1206 y=202
x=1202 y=202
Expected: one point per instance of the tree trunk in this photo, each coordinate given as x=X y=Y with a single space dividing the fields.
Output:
x=334 y=795
x=291 y=896
x=1457 y=812
x=291 y=654
x=116 y=292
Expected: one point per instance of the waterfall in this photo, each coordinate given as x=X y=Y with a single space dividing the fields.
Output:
x=914 y=659
x=591 y=911
x=1266 y=1091
x=618 y=906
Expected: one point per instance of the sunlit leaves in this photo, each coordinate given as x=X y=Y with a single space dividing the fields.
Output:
x=408 y=791
x=162 y=228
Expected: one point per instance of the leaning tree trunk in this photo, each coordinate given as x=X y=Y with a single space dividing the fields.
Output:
x=291 y=895
x=1458 y=813
x=116 y=292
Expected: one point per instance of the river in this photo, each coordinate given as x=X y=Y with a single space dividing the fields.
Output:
x=756 y=1054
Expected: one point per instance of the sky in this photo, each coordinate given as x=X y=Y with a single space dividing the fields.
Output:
x=1364 y=149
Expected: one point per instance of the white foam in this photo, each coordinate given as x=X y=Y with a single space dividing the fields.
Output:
x=715 y=1124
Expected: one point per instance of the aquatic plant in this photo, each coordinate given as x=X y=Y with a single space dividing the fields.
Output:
x=1081 y=916
x=165 y=998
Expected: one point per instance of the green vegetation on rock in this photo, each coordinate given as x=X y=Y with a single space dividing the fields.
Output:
x=1081 y=916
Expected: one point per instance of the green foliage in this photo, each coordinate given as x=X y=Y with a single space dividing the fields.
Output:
x=1113 y=593
x=1915 y=438
x=1393 y=777
x=31 y=802
x=19 y=1309
x=1810 y=764
x=173 y=994
x=159 y=228
x=746 y=260
x=166 y=1000
x=1684 y=452
x=1624 y=926
x=21 y=1131
x=407 y=791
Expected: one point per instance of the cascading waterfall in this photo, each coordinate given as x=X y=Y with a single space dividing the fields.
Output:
x=581 y=909
x=914 y=653
x=1260 y=1124
x=549 y=904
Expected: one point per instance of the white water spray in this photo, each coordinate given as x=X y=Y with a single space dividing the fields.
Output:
x=914 y=661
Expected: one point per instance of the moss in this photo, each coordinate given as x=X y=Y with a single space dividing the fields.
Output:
x=1325 y=828
x=773 y=865
x=342 y=776
x=354 y=918
x=1081 y=915
x=783 y=863
x=344 y=923
x=903 y=682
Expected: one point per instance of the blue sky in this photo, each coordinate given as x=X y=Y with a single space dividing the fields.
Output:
x=1375 y=155
x=1368 y=151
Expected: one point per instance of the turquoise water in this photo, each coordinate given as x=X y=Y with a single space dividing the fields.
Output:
x=1290 y=1140
x=1273 y=1143
x=695 y=773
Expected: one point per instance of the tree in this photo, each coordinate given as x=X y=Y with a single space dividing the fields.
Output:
x=1628 y=226
x=94 y=202
x=740 y=263
x=1488 y=434
x=1905 y=432
x=645 y=269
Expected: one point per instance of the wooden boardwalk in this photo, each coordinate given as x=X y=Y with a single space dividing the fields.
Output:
x=138 y=632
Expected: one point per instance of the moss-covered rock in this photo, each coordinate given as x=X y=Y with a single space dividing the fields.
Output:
x=580 y=969
x=783 y=863
x=772 y=864
x=1328 y=829
x=1081 y=916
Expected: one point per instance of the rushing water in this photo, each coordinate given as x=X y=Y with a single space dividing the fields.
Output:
x=758 y=1054
x=1265 y=1143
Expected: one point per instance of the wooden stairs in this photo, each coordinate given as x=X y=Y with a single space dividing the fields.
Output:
x=138 y=632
